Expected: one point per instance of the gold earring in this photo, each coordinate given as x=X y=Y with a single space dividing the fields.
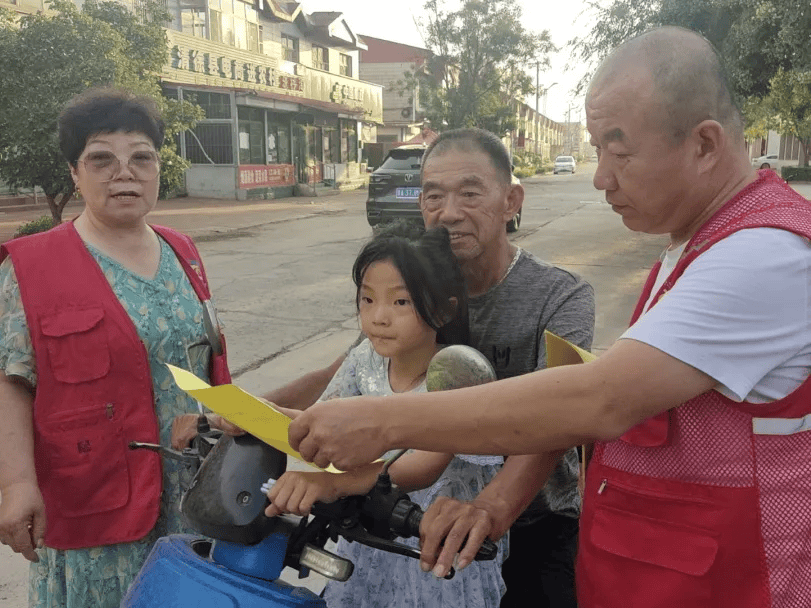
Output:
x=77 y=194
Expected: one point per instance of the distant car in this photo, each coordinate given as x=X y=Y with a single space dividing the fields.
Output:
x=772 y=161
x=564 y=163
x=394 y=188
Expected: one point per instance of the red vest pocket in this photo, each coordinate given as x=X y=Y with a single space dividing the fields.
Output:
x=87 y=469
x=669 y=562
x=688 y=550
x=78 y=349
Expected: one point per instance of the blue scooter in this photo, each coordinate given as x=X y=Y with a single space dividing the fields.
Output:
x=237 y=563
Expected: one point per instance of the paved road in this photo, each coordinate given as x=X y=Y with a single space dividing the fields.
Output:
x=280 y=272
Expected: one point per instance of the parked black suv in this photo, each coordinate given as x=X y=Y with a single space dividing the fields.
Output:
x=394 y=188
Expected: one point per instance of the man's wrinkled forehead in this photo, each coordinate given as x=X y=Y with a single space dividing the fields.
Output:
x=456 y=147
x=458 y=150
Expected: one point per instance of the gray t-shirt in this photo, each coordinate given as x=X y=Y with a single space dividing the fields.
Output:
x=507 y=324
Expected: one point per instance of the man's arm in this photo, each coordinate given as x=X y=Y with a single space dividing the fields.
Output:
x=302 y=392
x=544 y=411
x=489 y=515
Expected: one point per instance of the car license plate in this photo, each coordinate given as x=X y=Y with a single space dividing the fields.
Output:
x=407 y=193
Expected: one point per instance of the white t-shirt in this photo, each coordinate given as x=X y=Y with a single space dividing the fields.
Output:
x=740 y=313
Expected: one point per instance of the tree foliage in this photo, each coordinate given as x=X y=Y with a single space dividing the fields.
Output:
x=478 y=68
x=763 y=44
x=46 y=59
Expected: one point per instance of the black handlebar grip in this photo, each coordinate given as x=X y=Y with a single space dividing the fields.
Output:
x=487 y=551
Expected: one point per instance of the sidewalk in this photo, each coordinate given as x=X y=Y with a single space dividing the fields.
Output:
x=203 y=218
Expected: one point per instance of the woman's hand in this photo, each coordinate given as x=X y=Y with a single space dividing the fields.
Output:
x=22 y=519
x=184 y=428
x=296 y=491
x=218 y=422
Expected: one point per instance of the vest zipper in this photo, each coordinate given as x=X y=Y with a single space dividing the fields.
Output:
x=110 y=411
x=658 y=494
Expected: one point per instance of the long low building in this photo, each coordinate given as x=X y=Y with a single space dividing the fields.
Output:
x=280 y=88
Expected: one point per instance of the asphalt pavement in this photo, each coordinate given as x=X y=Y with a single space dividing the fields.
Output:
x=202 y=218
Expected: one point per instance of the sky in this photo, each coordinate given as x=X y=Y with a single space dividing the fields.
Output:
x=395 y=20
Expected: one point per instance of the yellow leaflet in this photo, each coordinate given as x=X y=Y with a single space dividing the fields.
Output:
x=563 y=352
x=256 y=416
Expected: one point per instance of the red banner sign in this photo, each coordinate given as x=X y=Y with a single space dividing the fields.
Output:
x=262 y=176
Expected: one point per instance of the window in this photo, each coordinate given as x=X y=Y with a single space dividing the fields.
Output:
x=251 y=136
x=289 y=48
x=320 y=58
x=215 y=26
x=401 y=159
x=332 y=143
x=346 y=65
x=349 y=142
x=193 y=21
x=228 y=35
x=253 y=37
x=278 y=141
x=210 y=142
x=216 y=105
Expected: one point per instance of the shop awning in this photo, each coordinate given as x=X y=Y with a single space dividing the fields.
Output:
x=325 y=106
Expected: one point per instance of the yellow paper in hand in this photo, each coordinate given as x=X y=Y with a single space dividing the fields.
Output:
x=563 y=352
x=252 y=414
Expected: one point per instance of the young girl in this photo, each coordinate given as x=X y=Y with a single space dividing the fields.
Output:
x=411 y=299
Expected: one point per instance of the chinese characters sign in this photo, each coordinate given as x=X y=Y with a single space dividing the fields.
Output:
x=262 y=176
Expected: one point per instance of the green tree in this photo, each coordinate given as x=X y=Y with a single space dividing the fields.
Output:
x=478 y=69
x=788 y=106
x=763 y=44
x=45 y=59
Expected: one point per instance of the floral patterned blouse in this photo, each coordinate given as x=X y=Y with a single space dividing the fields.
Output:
x=168 y=317
x=383 y=579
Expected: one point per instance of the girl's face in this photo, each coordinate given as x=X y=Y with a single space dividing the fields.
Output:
x=387 y=315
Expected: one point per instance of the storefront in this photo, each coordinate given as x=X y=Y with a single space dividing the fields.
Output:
x=266 y=129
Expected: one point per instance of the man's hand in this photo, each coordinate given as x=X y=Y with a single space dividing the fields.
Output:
x=445 y=526
x=22 y=519
x=346 y=433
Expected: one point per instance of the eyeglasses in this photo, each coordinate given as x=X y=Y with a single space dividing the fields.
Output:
x=104 y=166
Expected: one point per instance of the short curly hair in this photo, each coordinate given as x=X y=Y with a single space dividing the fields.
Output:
x=106 y=110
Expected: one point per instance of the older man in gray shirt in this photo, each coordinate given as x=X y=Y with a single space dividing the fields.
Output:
x=514 y=297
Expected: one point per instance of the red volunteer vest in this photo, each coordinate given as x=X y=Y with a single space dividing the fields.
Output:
x=94 y=391
x=707 y=505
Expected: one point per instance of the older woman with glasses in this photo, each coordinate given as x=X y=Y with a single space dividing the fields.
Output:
x=90 y=313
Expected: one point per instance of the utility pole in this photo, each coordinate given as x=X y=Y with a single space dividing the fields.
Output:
x=545 y=91
x=537 y=98
x=569 y=128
